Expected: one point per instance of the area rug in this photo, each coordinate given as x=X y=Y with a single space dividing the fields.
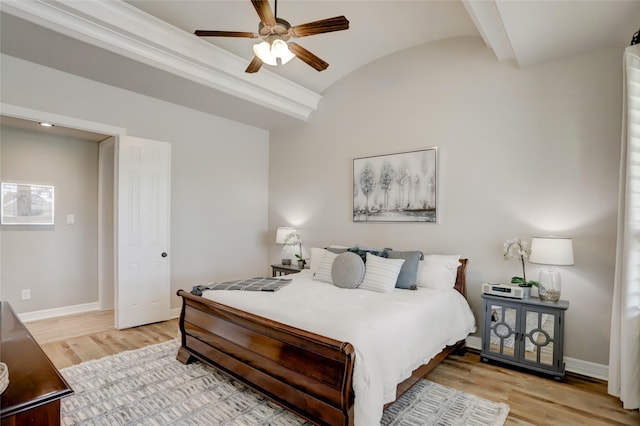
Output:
x=150 y=387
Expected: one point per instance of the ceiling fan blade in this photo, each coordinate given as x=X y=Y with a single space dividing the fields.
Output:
x=264 y=11
x=254 y=66
x=328 y=25
x=308 y=57
x=205 y=33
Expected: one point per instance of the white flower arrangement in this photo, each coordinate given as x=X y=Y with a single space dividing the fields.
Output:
x=293 y=238
x=517 y=249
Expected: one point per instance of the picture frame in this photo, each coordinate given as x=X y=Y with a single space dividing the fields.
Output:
x=27 y=204
x=401 y=187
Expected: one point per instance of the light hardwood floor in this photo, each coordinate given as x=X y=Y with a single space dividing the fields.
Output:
x=533 y=400
x=73 y=339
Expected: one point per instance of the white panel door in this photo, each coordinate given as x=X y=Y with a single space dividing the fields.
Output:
x=143 y=182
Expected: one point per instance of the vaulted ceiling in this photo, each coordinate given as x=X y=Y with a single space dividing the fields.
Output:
x=148 y=45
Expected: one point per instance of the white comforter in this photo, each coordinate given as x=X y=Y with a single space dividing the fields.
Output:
x=392 y=334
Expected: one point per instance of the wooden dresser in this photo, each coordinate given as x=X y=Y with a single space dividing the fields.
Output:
x=35 y=385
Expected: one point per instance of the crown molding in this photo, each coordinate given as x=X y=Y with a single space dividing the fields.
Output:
x=122 y=29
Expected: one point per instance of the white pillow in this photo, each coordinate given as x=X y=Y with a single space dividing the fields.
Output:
x=438 y=271
x=381 y=274
x=323 y=273
x=316 y=257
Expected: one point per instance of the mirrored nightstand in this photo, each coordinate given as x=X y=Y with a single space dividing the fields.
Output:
x=527 y=333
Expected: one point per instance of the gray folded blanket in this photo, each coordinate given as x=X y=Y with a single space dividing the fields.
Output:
x=249 y=284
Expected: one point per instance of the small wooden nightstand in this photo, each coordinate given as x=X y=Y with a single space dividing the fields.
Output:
x=284 y=270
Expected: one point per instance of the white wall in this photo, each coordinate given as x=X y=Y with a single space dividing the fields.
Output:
x=219 y=168
x=57 y=263
x=522 y=152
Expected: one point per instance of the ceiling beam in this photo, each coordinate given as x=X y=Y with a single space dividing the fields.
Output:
x=486 y=16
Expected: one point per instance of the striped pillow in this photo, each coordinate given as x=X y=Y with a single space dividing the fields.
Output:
x=323 y=273
x=381 y=274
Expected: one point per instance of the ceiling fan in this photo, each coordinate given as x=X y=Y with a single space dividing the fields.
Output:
x=276 y=48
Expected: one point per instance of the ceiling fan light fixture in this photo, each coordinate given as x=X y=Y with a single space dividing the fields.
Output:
x=273 y=52
x=276 y=49
x=280 y=50
x=263 y=51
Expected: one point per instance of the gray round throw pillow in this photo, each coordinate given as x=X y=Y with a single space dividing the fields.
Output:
x=347 y=270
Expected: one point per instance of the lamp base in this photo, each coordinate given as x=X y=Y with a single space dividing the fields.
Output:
x=550 y=285
x=287 y=254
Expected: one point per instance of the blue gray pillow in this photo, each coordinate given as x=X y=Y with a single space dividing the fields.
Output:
x=362 y=252
x=408 y=276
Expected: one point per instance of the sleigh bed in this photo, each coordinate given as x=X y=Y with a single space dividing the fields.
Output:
x=304 y=371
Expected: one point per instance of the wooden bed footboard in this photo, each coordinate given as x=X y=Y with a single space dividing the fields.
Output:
x=307 y=373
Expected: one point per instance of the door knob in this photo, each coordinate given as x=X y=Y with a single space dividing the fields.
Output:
x=164 y=254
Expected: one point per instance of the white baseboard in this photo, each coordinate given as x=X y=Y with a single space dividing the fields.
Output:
x=58 y=312
x=573 y=365
x=76 y=309
x=474 y=342
x=587 y=368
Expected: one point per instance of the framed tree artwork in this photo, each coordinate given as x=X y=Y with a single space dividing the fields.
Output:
x=396 y=187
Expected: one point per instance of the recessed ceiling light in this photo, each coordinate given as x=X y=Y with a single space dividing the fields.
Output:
x=44 y=124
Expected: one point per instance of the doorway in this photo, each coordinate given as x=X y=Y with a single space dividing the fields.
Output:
x=133 y=219
x=95 y=132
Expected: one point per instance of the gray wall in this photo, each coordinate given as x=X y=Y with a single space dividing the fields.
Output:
x=219 y=170
x=57 y=263
x=522 y=152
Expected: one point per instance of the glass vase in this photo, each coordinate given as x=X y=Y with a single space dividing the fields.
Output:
x=550 y=285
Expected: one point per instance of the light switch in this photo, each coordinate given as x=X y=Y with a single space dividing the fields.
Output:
x=71 y=219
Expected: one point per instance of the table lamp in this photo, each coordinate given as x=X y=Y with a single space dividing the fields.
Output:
x=288 y=237
x=551 y=251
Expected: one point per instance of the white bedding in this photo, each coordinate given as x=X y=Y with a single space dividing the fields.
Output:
x=390 y=337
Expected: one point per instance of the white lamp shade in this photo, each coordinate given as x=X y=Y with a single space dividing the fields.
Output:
x=263 y=51
x=280 y=50
x=269 y=53
x=283 y=235
x=551 y=251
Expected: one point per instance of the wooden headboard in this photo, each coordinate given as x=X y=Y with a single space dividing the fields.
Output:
x=461 y=278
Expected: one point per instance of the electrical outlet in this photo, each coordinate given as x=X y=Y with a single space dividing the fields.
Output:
x=26 y=294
